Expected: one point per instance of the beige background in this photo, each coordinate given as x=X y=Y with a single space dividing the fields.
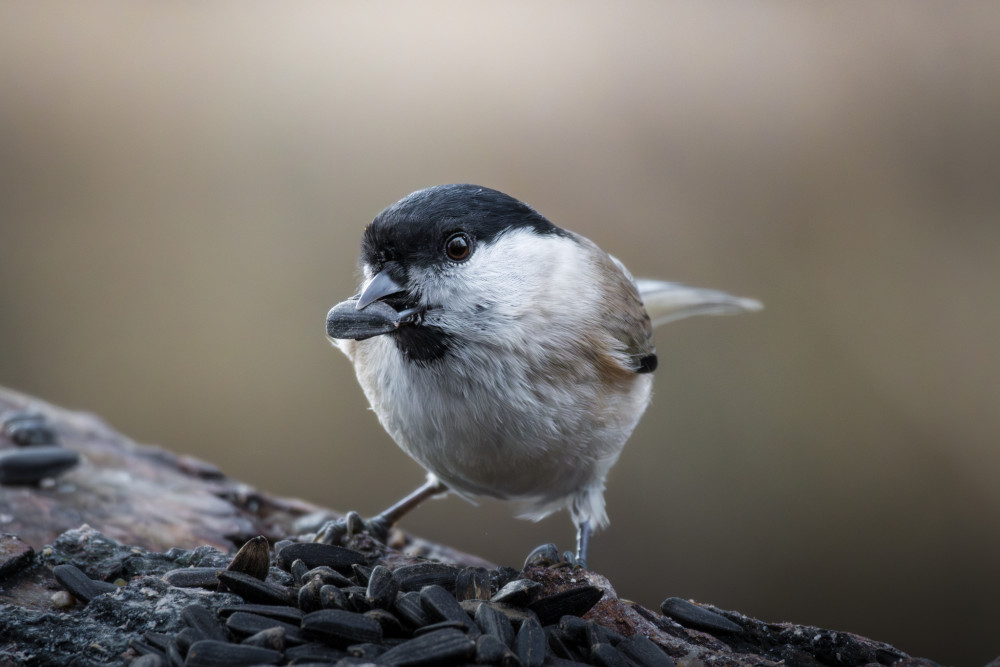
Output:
x=183 y=187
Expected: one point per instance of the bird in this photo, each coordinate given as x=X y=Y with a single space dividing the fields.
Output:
x=509 y=357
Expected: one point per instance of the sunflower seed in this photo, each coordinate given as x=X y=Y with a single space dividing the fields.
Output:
x=243 y=624
x=391 y=626
x=492 y=651
x=368 y=651
x=253 y=558
x=33 y=464
x=342 y=627
x=472 y=583
x=357 y=598
x=361 y=573
x=314 y=652
x=691 y=615
x=82 y=587
x=643 y=652
x=327 y=575
x=493 y=622
x=298 y=570
x=308 y=598
x=252 y=589
x=184 y=639
x=516 y=615
x=314 y=554
x=559 y=642
x=142 y=648
x=276 y=611
x=442 y=605
x=203 y=622
x=209 y=653
x=444 y=647
x=331 y=597
x=272 y=638
x=606 y=655
x=174 y=655
x=409 y=610
x=519 y=592
x=416 y=576
x=148 y=660
x=193 y=577
x=544 y=555
x=28 y=429
x=382 y=587
x=531 y=643
x=574 y=601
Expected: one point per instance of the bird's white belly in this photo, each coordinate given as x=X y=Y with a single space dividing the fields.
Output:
x=512 y=437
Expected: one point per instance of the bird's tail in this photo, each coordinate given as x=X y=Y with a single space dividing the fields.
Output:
x=666 y=302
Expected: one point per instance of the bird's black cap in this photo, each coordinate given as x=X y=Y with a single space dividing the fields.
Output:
x=413 y=230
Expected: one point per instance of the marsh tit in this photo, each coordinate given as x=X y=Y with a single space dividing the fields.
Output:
x=509 y=357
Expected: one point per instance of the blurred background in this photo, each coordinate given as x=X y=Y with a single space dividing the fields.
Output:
x=183 y=188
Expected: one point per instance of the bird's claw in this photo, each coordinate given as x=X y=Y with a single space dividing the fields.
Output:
x=351 y=524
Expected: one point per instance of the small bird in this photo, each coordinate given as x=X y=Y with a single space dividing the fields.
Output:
x=509 y=357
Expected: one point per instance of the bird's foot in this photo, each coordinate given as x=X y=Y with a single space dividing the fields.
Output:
x=351 y=524
x=547 y=555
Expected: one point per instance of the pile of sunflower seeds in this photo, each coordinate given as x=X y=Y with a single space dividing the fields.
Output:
x=324 y=604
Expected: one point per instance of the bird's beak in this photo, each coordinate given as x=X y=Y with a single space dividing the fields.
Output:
x=366 y=315
x=376 y=289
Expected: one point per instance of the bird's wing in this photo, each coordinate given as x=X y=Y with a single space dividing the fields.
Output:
x=666 y=302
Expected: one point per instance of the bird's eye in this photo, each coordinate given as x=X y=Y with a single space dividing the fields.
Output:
x=458 y=247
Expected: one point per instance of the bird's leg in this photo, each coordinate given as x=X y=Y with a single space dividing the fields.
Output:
x=378 y=526
x=583 y=532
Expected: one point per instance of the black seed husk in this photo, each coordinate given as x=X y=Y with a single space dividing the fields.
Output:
x=308 y=598
x=516 y=615
x=29 y=465
x=331 y=597
x=243 y=624
x=360 y=574
x=444 y=647
x=185 y=638
x=298 y=570
x=27 y=429
x=368 y=651
x=314 y=554
x=414 y=577
x=472 y=583
x=492 y=651
x=493 y=622
x=327 y=575
x=142 y=648
x=530 y=644
x=382 y=587
x=193 y=577
x=208 y=653
x=280 y=612
x=391 y=627
x=203 y=622
x=148 y=660
x=272 y=638
x=606 y=655
x=342 y=628
x=254 y=590
x=644 y=652
x=409 y=609
x=442 y=605
x=518 y=592
x=691 y=615
x=253 y=558
x=174 y=655
x=545 y=554
x=574 y=601
x=82 y=587
x=560 y=643
x=314 y=652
